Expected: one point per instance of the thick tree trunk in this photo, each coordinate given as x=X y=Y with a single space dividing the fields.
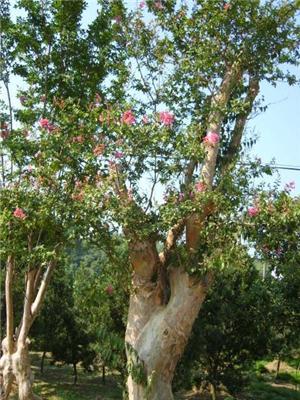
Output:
x=16 y=368
x=7 y=376
x=23 y=374
x=154 y=351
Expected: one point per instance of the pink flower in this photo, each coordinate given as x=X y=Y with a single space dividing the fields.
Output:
x=119 y=154
x=44 y=123
x=181 y=196
x=142 y=4
x=166 y=118
x=78 y=139
x=98 y=150
x=118 y=19
x=200 y=186
x=78 y=184
x=128 y=118
x=253 y=211
x=211 y=138
x=78 y=196
x=109 y=290
x=226 y=6
x=4 y=133
x=145 y=119
x=23 y=100
x=290 y=186
x=19 y=213
x=158 y=5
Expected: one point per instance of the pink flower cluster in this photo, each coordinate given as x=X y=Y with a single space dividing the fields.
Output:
x=119 y=154
x=211 y=138
x=46 y=124
x=78 y=139
x=99 y=149
x=200 y=186
x=290 y=186
x=253 y=211
x=109 y=290
x=19 y=213
x=158 y=5
x=23 y=100
x=118 y=19
x=4 y=132
x=128 y=118
x=166 y=118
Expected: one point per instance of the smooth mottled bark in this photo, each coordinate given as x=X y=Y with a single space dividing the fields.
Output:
x=158 y=327
x=15 y=361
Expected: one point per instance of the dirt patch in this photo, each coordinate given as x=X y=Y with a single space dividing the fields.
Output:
x=194 y=395
x=283 y=385
x=284 y=367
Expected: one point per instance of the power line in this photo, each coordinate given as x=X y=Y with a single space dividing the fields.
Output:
x=287 y=168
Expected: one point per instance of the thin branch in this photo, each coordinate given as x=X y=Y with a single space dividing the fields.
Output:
x=195 y=221
x=9 y=104
x=172 y=236
x=36 y=305
x=240 y=123
x=27 y=318
x=153 y=186
x=9 y=303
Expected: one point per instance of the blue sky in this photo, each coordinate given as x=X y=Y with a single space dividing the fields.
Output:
x=278 y=129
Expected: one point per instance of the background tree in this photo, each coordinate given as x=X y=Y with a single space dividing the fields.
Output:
x=101 y=292
x=274 y=229
x=232 y=330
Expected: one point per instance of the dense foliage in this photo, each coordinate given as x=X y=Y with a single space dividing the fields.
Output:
x=112 y=142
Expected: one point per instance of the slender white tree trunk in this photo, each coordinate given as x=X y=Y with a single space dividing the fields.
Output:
x=15 y=362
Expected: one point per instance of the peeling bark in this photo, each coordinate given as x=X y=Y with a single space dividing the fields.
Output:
x=16 y=368
x=162 y=340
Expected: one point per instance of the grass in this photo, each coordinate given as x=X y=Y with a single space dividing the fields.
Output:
x=57 y=384
x=260 y=390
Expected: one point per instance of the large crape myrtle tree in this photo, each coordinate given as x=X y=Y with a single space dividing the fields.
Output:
x=170 y=116
x=203 y=62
